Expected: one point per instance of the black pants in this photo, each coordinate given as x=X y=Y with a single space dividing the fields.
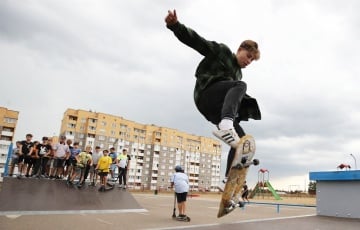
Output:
x=86 y=171
x=44 y=161
x=122 y=175
x=223 y=100
x=37 y=164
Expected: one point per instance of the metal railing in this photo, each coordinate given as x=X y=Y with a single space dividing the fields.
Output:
x=280 y=204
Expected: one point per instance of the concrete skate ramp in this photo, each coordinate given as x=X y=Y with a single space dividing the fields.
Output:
x=43 y=196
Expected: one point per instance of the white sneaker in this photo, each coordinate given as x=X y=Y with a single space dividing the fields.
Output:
x=229 y=136
x=221 y=186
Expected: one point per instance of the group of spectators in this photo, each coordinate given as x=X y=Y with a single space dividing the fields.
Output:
x=65 y=160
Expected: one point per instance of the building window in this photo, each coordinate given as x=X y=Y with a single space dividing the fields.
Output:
x=111 y=139
x=9 y=120
x=71 y=126
x=68 y=133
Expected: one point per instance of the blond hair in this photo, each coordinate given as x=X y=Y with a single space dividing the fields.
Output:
x=252 y=47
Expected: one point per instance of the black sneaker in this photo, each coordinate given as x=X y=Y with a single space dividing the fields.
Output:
x=241 y=204
x=181 y=217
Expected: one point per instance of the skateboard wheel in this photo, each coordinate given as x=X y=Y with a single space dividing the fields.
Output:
x=256 y=161
x=243 y=160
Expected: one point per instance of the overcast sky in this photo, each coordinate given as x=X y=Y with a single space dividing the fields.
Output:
x=117 y=57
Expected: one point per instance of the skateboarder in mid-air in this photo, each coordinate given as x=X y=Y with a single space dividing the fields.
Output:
x=219 y=93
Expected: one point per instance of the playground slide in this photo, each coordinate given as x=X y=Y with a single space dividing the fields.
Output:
x=272 y=190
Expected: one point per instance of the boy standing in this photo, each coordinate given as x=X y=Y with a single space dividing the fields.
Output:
x=82 y=160
x=113 y=156
x=103 y=167
x=123 y=164
x=15 y=159
x=61 y=153
x=44 y=151
x=71 y=162
x=27 y=147
x=181 y=182
x=219 y=93
x=95 y=159
x=245 y=192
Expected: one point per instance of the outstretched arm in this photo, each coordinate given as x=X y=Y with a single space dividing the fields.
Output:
x=189 y=36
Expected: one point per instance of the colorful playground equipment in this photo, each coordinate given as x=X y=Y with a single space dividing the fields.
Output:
x=344 y=166
x=262 y=184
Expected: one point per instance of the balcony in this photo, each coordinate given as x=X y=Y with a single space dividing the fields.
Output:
x=5 y=142
x=70 y=137
x=140 y=161
x=7 y=133
x=157 y=148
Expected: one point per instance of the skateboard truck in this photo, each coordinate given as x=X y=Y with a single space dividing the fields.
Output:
x=247 y=164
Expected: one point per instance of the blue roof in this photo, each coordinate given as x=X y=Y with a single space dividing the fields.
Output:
x=350 y=175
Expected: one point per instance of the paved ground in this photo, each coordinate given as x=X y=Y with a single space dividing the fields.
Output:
x=156 y=212
x=34 y=196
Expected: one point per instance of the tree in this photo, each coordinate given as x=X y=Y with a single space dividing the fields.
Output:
x=312 y=187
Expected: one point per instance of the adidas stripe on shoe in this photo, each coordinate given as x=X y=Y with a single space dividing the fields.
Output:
x=229 y=136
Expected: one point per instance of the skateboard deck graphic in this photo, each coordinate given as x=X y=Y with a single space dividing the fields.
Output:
x=242 y=160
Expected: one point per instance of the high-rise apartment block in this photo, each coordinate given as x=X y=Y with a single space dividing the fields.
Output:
x=154 y=150
x=8 y=121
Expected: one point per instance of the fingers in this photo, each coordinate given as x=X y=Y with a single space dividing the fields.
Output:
x=171 y=18
x=172 y=14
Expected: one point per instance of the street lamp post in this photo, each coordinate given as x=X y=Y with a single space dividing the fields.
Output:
x=354 y=160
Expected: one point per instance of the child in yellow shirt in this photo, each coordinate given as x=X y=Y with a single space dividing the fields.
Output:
x=103 y=168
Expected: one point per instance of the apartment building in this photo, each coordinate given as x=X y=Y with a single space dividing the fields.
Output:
x=8 y=121
x=154 y=150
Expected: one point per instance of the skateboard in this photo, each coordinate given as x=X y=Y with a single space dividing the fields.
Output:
x=243 y=159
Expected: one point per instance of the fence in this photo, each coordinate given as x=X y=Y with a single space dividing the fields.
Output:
x=280 y=204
